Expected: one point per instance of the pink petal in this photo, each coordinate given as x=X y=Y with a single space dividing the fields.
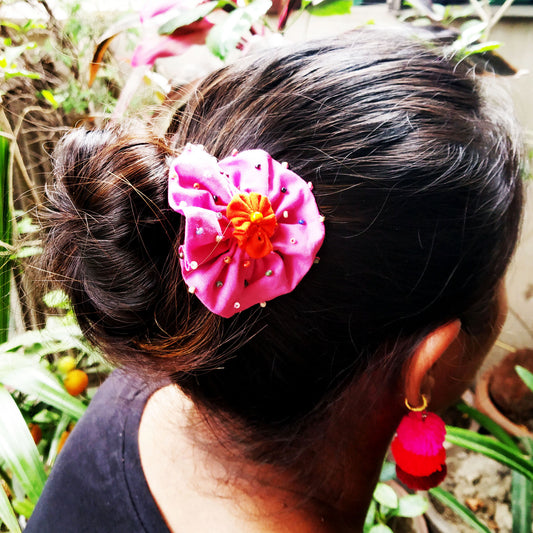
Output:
x=154 y=47
x=152 y=9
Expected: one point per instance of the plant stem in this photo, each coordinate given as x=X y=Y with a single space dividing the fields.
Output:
x=6 y=126
x=498 y=15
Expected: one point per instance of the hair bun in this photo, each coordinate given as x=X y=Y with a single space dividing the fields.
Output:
x=109 y=231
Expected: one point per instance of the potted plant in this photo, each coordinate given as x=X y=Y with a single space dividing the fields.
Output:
x=502 y=395
x=393 y=509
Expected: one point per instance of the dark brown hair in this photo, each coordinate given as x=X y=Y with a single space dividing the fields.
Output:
x=415 y=170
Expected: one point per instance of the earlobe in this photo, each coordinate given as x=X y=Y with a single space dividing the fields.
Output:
x=417 y=375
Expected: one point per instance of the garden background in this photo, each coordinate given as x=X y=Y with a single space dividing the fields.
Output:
x=65 y=64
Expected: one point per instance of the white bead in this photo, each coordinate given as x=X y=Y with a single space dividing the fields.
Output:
x=263 y=304
x=194 y=265
x=192 y=290
x=285 y=214
x=219 y=238
x=237 y=305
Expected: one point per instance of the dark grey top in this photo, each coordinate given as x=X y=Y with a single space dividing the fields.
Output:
x=97 y=483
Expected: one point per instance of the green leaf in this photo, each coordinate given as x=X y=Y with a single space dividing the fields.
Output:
x=12 y=53
x=488 y=424
x=412 y=505
x=7 y=516
x=45 y=416
x=24 y=374
x=32 y=24
x=18 y=449
x=472 y=31
x=479 y=48
x=5 y=235
x=57 y=299
x=459 y=509
x=11 y=25
x=20 y=73
x=388 y=471
x=525 y=375
x=224 y=37
x=25 y=225
x=187 y=17
x=370 y=516
x=60 y=428
x=380 y=528
x=327 y=8
x=385 y=495
x=28 y=251
x=24 y=507
x=521 y=502
x=60 y=334
x=489 y=447
x=50 y=98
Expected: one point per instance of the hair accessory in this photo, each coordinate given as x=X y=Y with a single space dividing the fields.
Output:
x=418 y=448
x=252 y=246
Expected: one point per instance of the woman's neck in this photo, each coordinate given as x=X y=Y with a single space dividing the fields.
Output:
x=197 y=490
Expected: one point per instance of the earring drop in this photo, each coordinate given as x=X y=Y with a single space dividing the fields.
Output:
x=418 y=448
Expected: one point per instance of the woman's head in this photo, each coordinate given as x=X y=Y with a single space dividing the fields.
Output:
x=416 y=172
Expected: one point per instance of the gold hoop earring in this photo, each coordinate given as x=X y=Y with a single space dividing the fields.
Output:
x=419 y=408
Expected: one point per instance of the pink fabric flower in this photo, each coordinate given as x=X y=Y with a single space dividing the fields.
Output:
x=215 y=263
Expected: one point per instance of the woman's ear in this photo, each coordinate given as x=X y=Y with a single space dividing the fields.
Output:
x=417 y=376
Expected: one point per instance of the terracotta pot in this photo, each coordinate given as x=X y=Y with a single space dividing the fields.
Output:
x=484 y=403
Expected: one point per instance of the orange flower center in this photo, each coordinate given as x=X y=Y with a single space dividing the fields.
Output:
x=256 y=216
x=253 y=221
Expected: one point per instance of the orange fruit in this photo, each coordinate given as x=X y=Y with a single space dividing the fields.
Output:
x=62 y=440
x=66 y=364
x=76 y=381
x=36 y=432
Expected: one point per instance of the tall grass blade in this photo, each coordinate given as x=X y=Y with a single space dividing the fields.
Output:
x=492 y=448
x=521 y=502
x=488 y=424
x=459 y=509
x=28 y=376
x=54 y=445
x=525 y=375
x=18 y=450
x=7 y=516
x=5 y=236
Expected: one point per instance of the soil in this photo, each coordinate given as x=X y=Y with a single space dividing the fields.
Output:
x=481 y=484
